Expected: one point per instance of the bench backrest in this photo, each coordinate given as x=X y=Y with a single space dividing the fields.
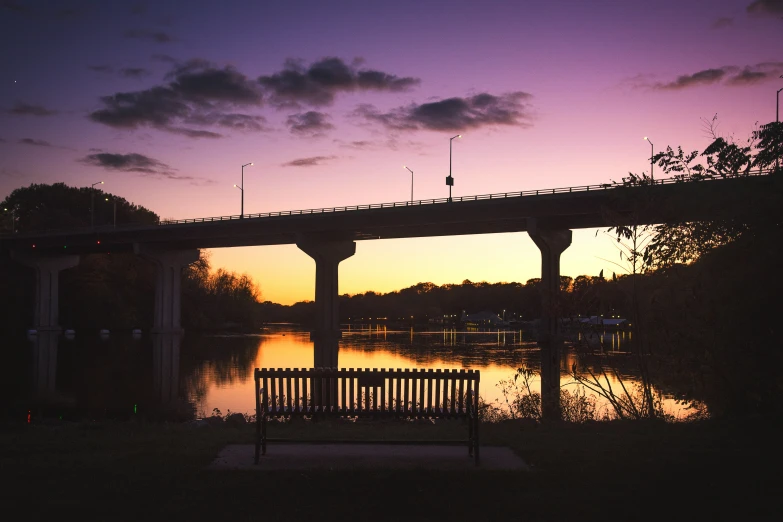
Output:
x=400 y=392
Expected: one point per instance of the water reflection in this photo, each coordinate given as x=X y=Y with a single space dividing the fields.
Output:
x=165 y=367
x=182 y=377
x=44 y=364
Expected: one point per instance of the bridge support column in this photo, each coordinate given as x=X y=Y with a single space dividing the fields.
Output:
x=44 y=347
x=165 y=367
x=47 y=288
x=168 y=284
x=551 y=243
x=326 y=332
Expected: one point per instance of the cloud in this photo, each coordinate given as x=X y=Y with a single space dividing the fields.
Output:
x=705 y=77
x=101 y=68
x=356 y=145
x=127 y=72
x=728 y=75
x=5 y=172
x=163 y=58
x=198 y=80
x=720 y=23
x=308 y=162
x=455 y=114
x=746 y=77
x=32 y=110
x=156 y=107
x=193 y=133
x=37 y=143
x=318 y=84
x=156 y=36
x=64 y=14
x=309 y=123
x=242 y=122
x=772 y=8
x=11 y=5
x=198 y=94
x=134 y=163
x=134 y=72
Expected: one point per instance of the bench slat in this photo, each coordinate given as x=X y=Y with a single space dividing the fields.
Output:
x=438 y=403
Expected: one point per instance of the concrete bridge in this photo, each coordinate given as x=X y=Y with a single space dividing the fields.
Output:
x=328 y=235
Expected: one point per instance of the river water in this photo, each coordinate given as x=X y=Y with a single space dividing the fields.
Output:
x=89 y=375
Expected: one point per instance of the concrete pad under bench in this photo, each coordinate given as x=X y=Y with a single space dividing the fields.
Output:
x=378 y=456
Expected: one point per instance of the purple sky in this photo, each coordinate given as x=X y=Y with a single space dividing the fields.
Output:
x=164 y=101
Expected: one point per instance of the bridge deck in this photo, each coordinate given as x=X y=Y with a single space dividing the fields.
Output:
x=572 y=207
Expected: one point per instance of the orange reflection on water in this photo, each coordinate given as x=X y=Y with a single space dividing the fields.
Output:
x=293 y=349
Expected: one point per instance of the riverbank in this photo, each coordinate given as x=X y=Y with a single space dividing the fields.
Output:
x=598 y=471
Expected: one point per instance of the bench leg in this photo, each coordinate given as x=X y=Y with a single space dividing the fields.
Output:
x=476 y=441
x=258 y=436
x=263 y=435
x=470 y=436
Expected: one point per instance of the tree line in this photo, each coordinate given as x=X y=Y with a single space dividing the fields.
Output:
x=584 y=295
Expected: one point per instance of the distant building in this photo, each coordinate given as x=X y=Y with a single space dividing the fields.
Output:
x=483 y=318
x=597 y=320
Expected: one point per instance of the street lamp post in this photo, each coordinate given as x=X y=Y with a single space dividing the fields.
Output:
x=92 y=202
x=114 y=202
x=652 y=155
x=450 y=180
x=777 y=116
x=241 y=188
x=411 y=182
x=13 y=219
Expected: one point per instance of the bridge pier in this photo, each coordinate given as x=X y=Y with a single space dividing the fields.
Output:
x=47 y=288
x=44 y=348
x=168 y=285
x=165 y=367
x=551 y=243
x=326 y=332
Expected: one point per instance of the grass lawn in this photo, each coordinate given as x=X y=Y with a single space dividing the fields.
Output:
x=624 y=471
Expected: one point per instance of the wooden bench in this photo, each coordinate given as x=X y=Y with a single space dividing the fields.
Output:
x=376 y=393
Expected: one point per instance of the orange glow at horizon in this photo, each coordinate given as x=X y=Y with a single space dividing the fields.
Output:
x=286 y=275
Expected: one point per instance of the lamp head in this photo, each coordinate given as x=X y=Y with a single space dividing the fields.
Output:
x=646 y=138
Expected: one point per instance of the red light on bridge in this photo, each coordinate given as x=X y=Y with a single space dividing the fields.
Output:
x=33 y=246
x=99 y=242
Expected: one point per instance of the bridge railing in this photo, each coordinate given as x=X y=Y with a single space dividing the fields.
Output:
x=372 y=206
x=435 y=201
